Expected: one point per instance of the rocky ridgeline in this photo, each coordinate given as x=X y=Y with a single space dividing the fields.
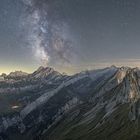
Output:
x=104 y=90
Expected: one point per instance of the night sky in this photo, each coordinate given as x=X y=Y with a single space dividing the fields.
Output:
x=69 y=35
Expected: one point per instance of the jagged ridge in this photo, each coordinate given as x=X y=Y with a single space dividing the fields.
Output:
x=82 y=107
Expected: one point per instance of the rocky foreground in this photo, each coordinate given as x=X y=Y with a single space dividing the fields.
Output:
x=92 y=105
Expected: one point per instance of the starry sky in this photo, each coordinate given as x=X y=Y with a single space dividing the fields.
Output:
x=69 y=35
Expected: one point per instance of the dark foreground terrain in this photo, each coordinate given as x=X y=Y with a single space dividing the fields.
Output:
x=92 y=105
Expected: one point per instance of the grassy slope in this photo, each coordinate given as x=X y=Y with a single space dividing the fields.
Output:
x=116 y=127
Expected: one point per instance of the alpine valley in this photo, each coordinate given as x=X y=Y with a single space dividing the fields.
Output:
x=101 y=104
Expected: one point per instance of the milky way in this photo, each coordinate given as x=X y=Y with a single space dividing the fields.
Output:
x=69 y=35
x=49 y=38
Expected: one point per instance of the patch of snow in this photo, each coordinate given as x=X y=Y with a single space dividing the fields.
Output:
x=15 y=107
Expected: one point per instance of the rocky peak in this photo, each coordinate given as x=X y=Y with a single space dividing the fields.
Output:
x=128 y=78
x=121 y=74
x=16 y=74
x=42 y=72
x=46 y=69
x=3 y=75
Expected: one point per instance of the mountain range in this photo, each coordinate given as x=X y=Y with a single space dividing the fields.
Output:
x=101 y=104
